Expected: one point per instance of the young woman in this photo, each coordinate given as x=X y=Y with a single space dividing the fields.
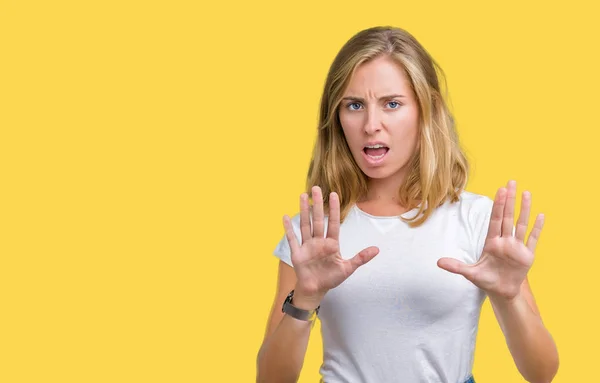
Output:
x=394 y=255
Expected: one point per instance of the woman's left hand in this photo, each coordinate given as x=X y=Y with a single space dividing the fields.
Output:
x=505 y=259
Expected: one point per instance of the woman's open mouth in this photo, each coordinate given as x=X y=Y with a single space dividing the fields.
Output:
x=375 y=153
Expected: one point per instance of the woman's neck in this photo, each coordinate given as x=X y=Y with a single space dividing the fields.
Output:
x=383 y=190
x=382 y=197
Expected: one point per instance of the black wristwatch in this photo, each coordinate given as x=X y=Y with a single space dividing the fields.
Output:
x=295 y=312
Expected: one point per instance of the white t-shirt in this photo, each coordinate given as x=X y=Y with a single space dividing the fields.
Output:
x=401 y=318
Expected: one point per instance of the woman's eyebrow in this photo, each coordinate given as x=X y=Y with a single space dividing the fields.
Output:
x=353 y=98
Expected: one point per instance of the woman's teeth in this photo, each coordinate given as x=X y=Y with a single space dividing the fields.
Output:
x=376 y=152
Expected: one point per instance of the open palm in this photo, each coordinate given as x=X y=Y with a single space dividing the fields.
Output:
x=317 y=262
x=506 y=259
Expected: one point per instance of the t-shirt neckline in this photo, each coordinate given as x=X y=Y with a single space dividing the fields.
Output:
x=384 y=217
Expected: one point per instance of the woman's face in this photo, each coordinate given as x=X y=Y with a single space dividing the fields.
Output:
x=380 y=117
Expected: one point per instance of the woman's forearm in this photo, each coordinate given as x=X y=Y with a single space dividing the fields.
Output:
x=530 y=344
x=281 y=356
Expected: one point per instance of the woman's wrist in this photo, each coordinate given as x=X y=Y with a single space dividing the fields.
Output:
x=306 y=301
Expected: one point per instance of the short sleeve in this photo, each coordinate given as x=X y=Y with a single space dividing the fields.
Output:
x=282 y=250
x=481 y=213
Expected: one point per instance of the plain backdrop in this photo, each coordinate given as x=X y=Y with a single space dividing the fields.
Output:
x=149 y=149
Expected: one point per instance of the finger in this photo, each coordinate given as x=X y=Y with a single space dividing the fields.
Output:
x=495 y=227
x=333 y=225
x=523 y=216
x=534 y=236
x=455 y=266
x=508 y=221
x=290 y=235
x=363 y=257
x=304 y=218
x=318 y=215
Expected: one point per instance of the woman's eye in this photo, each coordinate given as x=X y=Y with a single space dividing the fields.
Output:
x=394 y=104
x=354 y=106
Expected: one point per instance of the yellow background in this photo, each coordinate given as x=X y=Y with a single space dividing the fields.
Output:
x=149 y=150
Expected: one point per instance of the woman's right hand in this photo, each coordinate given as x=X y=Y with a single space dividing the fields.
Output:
x=317 y=261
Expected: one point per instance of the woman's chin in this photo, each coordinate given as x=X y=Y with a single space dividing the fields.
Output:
x=381 y=172
x=376 y=173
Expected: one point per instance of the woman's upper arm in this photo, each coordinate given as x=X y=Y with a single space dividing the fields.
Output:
x=286 y=281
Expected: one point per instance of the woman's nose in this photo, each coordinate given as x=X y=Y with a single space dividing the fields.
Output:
x=373 y=122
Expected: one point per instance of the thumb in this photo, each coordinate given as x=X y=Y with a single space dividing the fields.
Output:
x=363 y=257
x=454 y=266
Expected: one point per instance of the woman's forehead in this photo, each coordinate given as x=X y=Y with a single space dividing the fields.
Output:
x=379 y=77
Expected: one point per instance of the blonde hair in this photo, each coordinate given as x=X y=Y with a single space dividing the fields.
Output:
x=437 y=171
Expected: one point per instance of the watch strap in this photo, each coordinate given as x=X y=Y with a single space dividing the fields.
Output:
x=298 y=313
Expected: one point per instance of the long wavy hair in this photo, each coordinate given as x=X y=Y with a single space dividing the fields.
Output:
x=438 y=170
